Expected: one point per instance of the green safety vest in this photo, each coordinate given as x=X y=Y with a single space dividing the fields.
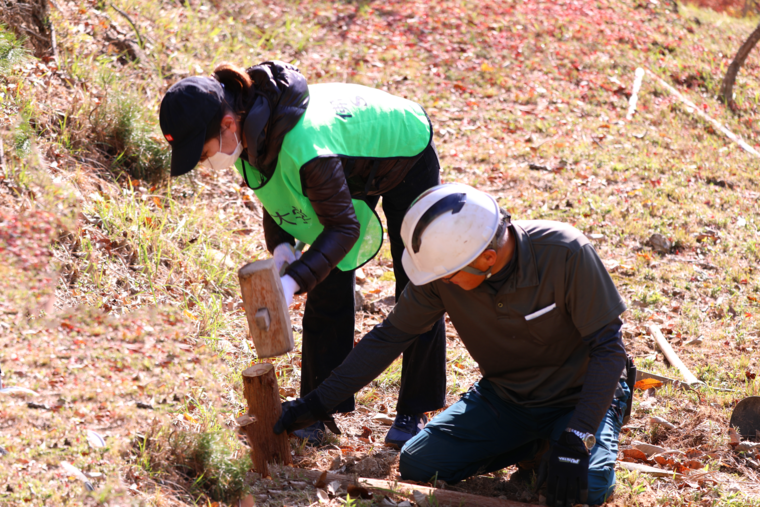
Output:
x=345 y=120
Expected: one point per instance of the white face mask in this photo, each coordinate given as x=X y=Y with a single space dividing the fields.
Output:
x=221 y=160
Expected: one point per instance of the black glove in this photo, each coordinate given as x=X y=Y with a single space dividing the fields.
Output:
x=303 y=412
x=566 y=467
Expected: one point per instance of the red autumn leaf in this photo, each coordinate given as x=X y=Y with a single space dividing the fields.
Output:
x=647 y=383
x=681 y=468
x=358 y=492
x=635 y=454
x=693 y=463
x=662 y=460
x=694 y=453
x=733 y=437
x=322 y=481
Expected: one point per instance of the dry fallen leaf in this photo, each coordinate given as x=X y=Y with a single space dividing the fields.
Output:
x=387 y=502
x=693 y=463
x=694 y=453
x=245 y=420
x=634 y=454
x=420 y=499
x=681 y=468
x=662 y=460
x=73 y=471
x=733 y=437
x=360 y=492
x=649 y=449
x=660 y=420
x=323 y=496
x=647 y=383
x=95 y=440
x=383 y=419
x=333 y=488
x=322 y=481
x=747 y=447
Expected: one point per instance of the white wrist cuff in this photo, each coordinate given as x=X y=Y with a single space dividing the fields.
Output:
x=289 y=287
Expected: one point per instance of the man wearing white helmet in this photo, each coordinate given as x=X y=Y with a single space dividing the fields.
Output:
x=537 y=310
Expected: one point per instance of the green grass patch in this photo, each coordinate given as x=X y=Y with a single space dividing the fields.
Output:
x=208 y=464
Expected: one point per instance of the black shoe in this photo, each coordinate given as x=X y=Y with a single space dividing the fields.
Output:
x=314 y=434
x=404 y=428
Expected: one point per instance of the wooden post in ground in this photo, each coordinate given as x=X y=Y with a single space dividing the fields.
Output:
x=263 y=397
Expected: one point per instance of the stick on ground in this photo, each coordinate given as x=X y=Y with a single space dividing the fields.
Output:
x=692 y=108
x=635 y=93
x=672 y=357
x=443 y=497
x=646 y=469
x=134 y=26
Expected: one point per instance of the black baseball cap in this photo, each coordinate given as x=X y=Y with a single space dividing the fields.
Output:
x=186 y=110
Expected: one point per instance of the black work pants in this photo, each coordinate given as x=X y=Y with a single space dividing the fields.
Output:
x=328 y=319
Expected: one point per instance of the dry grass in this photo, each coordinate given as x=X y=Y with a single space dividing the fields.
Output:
x=120 y=287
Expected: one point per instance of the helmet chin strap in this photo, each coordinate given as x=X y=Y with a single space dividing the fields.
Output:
x=469 y=269
x=492 y=246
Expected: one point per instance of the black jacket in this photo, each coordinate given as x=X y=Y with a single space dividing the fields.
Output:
x=328 y=182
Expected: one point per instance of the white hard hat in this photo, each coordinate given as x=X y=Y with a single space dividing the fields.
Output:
x=445 y=229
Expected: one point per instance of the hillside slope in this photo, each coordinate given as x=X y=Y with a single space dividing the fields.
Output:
x=118 y=294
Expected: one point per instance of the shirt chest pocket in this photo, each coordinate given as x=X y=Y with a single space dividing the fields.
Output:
x=547 y=324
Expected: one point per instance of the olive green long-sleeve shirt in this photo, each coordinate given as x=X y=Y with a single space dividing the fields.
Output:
x=527 y=335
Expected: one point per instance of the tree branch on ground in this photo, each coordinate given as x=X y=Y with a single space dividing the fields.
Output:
x=727 y=88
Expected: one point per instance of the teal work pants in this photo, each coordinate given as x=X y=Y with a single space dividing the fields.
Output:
x=482 y=433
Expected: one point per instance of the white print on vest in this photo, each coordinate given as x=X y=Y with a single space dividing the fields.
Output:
x=340 y=106
x=568 y=460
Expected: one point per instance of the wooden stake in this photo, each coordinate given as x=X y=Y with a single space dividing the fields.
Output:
x=672 y=357
x=263 y=397
x=442 y=497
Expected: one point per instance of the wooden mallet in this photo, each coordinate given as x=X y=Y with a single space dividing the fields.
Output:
x=266 y=309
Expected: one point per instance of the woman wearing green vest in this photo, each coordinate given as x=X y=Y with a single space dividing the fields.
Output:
x=319 y=158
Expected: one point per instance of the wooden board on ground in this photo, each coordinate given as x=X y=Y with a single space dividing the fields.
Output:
x=440 y=497
x=265 y=308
